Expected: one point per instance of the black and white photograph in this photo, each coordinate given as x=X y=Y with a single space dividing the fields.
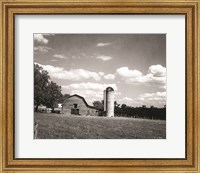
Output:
x=99 y=86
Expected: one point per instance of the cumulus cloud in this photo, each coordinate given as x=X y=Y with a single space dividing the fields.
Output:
x=73 y=74
x=101 y=73
x=153 y=99
x=126 y=100
x=156 y=76
x=125 y=72
x=90 y=91
x=42 y=49
x=157 y=99
x=40 y=38
x=60 y=56
x=104 y=58
x=109 y=77
x=103 y=44
x=157 y=70
x=154 y=95
x=90 y=86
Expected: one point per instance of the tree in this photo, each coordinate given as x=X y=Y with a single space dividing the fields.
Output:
x=117 y=109
x=53 y=95
x=116 y=104
x=41 y=80
x=64 y=97
x=98 y=104
x=46 y=92
x=123 y=106
x=124 y=109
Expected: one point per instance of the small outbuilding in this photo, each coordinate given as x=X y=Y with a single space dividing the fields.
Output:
x=42 y=108
x=77 y=105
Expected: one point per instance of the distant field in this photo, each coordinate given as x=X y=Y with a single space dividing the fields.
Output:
x=59 y=126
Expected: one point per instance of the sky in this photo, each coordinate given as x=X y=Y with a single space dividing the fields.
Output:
x=85 y=64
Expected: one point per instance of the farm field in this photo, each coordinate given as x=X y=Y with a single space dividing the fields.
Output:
x=59 y=126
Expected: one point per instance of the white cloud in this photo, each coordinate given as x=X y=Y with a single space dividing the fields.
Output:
x=150 y=79
x=156 y=76
x=42 y=49
x=156 y=96
x=103 y=44
x=127 y=99
x=40 y=38
x=157 y=70
x=90 y=86
x=109 y=77
x=104 y=58
x=51 y=69
x=60 y=56
x=157 y=99
x=73 y=74
x=90 y=91
x=101 y=73
x=125 y=72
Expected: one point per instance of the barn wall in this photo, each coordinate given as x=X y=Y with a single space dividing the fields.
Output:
x=83 y=109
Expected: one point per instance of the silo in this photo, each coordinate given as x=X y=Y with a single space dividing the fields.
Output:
x=104 y=100
x=109 y=102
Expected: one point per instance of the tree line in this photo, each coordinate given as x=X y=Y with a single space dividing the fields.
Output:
x=135 y=112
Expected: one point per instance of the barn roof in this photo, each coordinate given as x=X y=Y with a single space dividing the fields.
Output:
x=76 y=95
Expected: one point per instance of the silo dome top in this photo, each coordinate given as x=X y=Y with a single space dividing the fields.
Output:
x=109 y=89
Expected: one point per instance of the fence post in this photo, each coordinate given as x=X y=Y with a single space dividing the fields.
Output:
x=35 y=130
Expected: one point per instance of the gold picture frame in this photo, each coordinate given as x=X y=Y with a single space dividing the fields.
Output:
x=9 y=8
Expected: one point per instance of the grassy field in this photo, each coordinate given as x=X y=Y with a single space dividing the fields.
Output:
x=58 y=126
